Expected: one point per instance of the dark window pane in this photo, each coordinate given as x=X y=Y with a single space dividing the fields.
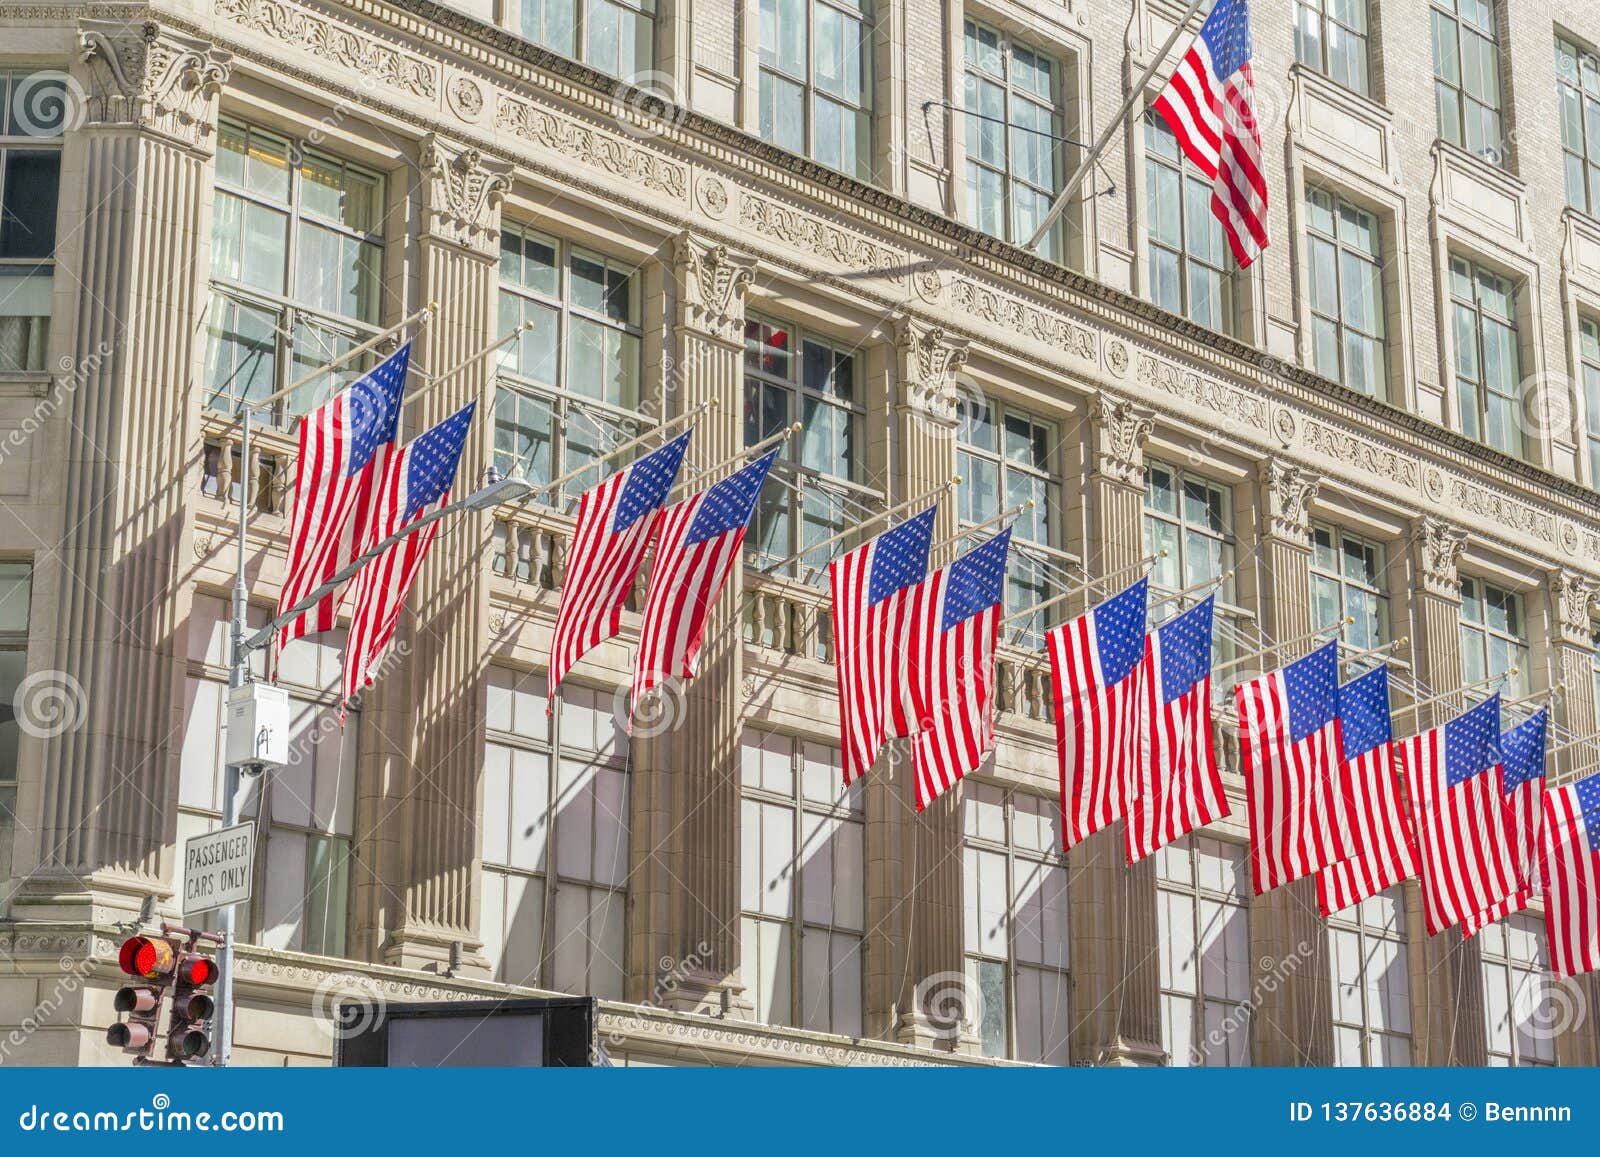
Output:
x=28 y=214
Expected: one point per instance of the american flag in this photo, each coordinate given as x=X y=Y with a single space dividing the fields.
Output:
x=1569 y=853
x=699 y=543
x=339 y=443
x=414 y=479
x=1177 y=785
x=1290 y=751
x=953 y=635
x=615 y=520
x=1094 y=668
x=871 y=620
x=1386 y=846
x=1210 y=102
x=1522 y=763
x=1453 y=778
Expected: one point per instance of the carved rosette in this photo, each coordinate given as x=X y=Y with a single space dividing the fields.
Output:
x=463 y=194
x=1289 y=491
x=1573 y=596
x=712 y=281
x=1120 y=431
x=147 y=77
x=931 y=371
x=1439 y=547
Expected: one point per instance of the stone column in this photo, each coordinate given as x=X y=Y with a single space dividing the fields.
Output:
x=684 y=898
x=1292 y=1023
x=459 y=252
x=1447 y=1016
x=1116 y=965
x=133 y=253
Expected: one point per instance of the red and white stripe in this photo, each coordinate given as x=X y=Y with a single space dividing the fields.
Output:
x=1177 y=784
x=874 y=695
x=1524 y=811
x=1570 y=872
x=954 y=690
x=1096 y=770
x=1386 y=846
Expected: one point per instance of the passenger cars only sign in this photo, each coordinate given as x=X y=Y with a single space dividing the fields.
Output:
x=216 y=869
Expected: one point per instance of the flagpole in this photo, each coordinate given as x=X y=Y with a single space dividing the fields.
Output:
x=862 y=525
x=623 y=448
x=349 y=355
x=764 y=444
x=1196 y=589
x=1088 y=584
x=977 y=526
x=472 y=360
x=1526 y=699
x=1358 y=653
x=1461 y=690
x=1247 y=656
x=1093 y=155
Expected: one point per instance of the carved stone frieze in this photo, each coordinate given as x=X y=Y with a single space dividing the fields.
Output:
x=330 y=42
x=1391 y=468
x=712 y=280
x=1121 y=429
x=616 y=155
x=148 y=77
x=1047 y=327
x=1237 y=408
x=1501 y=510
x=463 y=195
x=1439 y=547
x=817 y=237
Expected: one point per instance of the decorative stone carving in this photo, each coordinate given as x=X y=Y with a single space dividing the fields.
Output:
x=712 y=280
x=1238 y=408
x=463 y=194
x=931 y=364
x=1120 y=431
x=147 y=77
x=1573 y=596
x=1289 y=491
x=1041 y=325
x=819 y=238
x=1439 y=547
x=360 y=53
x=465 y=98
x=621 y=158
x=713 y=197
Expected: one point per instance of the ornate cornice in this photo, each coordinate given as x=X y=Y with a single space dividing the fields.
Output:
x=1439 y=548
x=147 y=77
x=1289 y=490
x=463 y=194
x=712 y=281
x=1121 y=429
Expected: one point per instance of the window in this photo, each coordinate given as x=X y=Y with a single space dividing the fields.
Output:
x=793 y=800
x=1589 y=367
x=1204 y=918
x=1191 y=518
x=815 y=493
x=304 y=810
x=585 y=803
x=569 y=386
x=1189 y=259
x=816 y=80
x=1005 y=457
x=1346 y=275
x=1493 y=636
x=1578 y=88
x=1371 y=987
x=1347 y=582
x=16 y=592
x=1466 y=76
x=1013 y=159
x=296 y=269
x=1015 y=924
x=32 y=111
x=1594 y=664
x=1483 y=319
x=1330 y=37
x=1516 y=992
x=612 y=37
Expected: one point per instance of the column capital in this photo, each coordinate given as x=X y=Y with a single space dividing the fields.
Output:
x=1573 y=599
x=930 y=364
x=1121 y=429
x=1288 y=490
x=712 y=282
x=1439 y=547
x=463 y=194
x=145 y=76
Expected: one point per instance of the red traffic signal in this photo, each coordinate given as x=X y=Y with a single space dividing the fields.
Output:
x=197 y=970
x=148 y=956
x=188 y=1032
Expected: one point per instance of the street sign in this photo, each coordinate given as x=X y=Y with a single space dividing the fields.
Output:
x=217 y=869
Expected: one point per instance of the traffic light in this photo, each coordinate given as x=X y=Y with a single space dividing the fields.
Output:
x=189 y=1033
x=150 y=959
x=158 y=964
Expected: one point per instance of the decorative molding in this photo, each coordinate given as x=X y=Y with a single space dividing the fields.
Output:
x=712 y=281
x=147 y=77
x=1439 y=547
x=993 y=307
x=465 y=97
x=359 y=52
x=817 y=237
x=1236 y=407
x=463 y=195
x=1289 y=490
x=1492 y=507
x=1350 y=449
x=1573 y=597
x=1121 y=429
x=931 y=364
x=617 y=156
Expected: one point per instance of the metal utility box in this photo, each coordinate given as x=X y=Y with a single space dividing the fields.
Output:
x=258 y=725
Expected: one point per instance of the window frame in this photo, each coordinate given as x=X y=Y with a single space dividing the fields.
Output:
x=1321 y=13
x=1518 y=647
x=582 y=18
x=13 y=642
x=773 y=73
x=1194 y=893
x=1476 y=381
x=37 y=340
x=1573 y=86
x=1343 y=328
x=1340 y=539
x=1360 y=921
x=1176 y=563
x=1453 y=92
x=1496 y=956
x=1589 y=383
x=1190 y=183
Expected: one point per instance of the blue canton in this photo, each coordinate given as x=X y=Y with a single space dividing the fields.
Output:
x=1119 y=632
x=1364 y=712
x=900 y=556
x=373 y=407
x=977 y=581
x=1588 y=793
x=1227 y=36
x=1522 y=750
x=431 y=461
x=1472 y=742
x=728 y=505
x=1312 y=686
x=1185 y=645
x=649 y=482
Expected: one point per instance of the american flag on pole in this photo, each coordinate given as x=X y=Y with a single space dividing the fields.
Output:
x=1094 y=677
x=1386 y=846
x=1522 y=762
x=1210 y=102
x=615 y=520
x=1569 y=856
x=1453 y=778
x=415 y=480
x=339 y=443
x=698 y=545
x=1291 y=754
x=953 y=637
x=871 y=623
x=1177 y=785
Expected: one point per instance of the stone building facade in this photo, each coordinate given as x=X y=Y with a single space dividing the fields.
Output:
x=1393 y=416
